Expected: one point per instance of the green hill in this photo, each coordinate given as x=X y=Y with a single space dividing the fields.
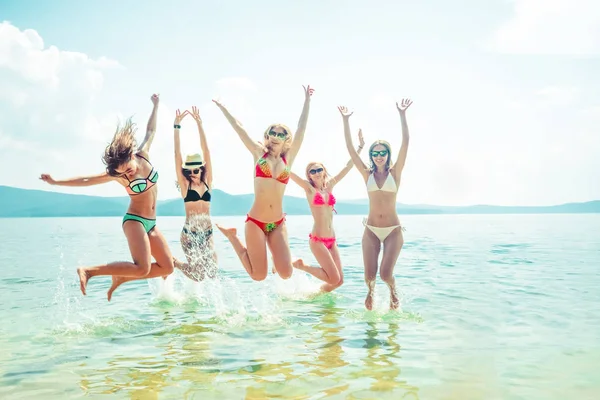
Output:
x=16 y=202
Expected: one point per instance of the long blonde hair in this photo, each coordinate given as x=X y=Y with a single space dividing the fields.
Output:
x=287 y=143
x=308 y=168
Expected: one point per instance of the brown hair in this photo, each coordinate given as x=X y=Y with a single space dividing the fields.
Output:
x=387 y=147
x=122 y=147
x=188 y=177
x=287 y=143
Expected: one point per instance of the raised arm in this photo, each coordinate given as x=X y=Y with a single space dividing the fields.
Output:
x=79 y=181
x=354 y=156
x=151 y=128
x=399 y=164
x=203 y=145
x=177 y=144
x=299 y=135
x=336 y=179
x=250 y=144
x=303 y=183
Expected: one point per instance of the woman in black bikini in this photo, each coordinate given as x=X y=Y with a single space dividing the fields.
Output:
x=194 y=178
x=129 y=165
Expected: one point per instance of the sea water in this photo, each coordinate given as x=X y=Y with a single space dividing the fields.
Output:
x=493 y=307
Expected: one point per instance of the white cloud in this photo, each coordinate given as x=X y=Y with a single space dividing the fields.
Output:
x=564 y=27
x=48 y=116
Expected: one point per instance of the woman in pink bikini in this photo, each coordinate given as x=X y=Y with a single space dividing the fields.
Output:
x=319 y=193
x=382 y=226
x=265 y=222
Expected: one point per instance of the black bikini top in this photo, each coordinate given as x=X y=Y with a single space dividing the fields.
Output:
x=192 y=195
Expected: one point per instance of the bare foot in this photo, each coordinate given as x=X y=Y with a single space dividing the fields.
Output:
x=228 y=232
x=84 y=276
x=299 y=264
x=369 y=300
x=116 y=282
x=394 y=300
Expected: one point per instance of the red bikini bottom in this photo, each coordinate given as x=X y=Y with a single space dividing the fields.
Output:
x=327 y=241
x=267 y=227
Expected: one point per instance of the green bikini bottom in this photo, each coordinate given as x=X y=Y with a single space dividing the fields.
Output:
x=148 y=224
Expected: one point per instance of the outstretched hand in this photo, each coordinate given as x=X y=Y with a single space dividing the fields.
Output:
x=308 y=91
x=195 y=114
x=155 y=99
x=404 y=104
x=180 y=116
x=47 y=178
x=218 y=103
x=361 y=139
x=344 y=111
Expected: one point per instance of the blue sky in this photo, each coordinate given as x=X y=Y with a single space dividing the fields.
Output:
x=506 y=93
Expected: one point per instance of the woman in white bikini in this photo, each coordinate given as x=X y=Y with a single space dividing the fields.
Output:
x=319 y=192
x=382 y=226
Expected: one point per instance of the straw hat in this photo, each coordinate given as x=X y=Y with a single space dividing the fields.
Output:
x=193 y=161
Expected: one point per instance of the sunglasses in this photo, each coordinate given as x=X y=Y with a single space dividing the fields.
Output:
x=193 y=171
x=315 y=171
x=280 y=135
x=381 y=153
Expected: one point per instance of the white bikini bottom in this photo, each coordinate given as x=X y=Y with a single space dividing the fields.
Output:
x=382 y=232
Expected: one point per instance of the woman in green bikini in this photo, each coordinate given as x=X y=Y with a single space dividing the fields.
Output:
x=129 y=165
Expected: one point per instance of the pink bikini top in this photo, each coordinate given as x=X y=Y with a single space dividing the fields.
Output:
x=319 y=201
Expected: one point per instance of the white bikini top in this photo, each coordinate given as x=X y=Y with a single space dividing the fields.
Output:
x=389 y=185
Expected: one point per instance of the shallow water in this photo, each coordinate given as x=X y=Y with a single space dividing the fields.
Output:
x=493 y=307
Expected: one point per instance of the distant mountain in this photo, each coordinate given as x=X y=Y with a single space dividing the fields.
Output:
x=16 y=202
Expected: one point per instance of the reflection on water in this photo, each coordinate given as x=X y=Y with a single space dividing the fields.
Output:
x=208 y=359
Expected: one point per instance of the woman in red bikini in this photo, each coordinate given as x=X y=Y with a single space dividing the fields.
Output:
x=319 y=193
x=265 y=222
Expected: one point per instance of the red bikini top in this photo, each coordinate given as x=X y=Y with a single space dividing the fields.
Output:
x=263 y=170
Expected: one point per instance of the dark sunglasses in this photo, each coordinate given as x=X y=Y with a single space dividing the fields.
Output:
x=192 y=171
x=280 y=135
x=381 y=153
x=315 y=171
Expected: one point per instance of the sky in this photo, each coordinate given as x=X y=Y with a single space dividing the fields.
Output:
x=506 y=93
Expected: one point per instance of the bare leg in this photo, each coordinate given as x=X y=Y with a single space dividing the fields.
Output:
x=141 y=267
x=371 y=247
x=338 y=263
x=280 y=250
x=253 y=257
x=328 y=270
x=159 y=249
x=391 y=250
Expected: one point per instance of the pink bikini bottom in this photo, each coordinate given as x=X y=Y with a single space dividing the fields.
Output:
x=327 y=241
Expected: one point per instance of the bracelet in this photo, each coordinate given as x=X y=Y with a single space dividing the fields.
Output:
x=177 y=126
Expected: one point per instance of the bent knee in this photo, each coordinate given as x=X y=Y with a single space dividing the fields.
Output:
x=340 y=282
x=142 y=269
x=285 y=273
x=258 y=276
x=334 y=279
x=167 y=268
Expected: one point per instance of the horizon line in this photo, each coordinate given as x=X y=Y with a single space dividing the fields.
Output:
x=342 y=200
